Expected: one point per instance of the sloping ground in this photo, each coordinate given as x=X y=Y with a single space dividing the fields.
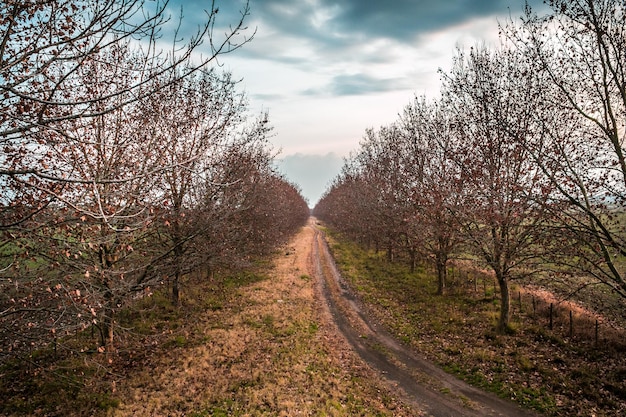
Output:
x=271 y=349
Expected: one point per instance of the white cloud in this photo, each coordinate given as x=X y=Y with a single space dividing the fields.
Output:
x=326 y=70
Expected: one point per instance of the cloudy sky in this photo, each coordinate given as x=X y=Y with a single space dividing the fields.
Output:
x=326 y=70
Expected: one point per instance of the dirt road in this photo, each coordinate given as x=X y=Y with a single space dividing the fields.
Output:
x=296 y=343
x=428 y=387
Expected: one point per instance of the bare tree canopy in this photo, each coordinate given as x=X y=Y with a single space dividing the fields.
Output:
x=48 y=51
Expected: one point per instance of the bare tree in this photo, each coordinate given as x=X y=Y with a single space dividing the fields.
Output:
x=381 y=164
x=492 y=98
x=436 y=190
x=89 y=235
x=193 y=124
x=44 y=46
x=116 y=198
x=579 y=48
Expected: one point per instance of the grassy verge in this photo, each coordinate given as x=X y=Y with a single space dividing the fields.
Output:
x=540 y=369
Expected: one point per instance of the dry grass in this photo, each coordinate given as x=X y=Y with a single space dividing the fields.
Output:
x=269 y=350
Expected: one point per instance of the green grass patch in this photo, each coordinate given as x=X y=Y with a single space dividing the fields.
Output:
x=529 y=364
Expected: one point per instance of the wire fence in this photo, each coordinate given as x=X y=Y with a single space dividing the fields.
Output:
x=565 y=319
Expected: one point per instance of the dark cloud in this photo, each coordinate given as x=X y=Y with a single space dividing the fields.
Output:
x=362 y=20
x=403 y=20
x=333 y=25
x=357 y=84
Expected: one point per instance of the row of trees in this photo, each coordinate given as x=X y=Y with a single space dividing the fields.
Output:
x=519 y=163
x=123 y=167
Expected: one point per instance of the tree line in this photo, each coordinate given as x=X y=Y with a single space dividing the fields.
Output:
x=125 y=165
x=518 y=164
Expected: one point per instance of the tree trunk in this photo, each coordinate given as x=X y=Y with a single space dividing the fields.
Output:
x=107 y=331
x=505 y=305
x=178 y=259
x=176 y=288
x=107 y=260
x=442 y=274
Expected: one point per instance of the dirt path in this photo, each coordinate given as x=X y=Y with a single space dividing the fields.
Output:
x=427 y=386
x=297 y=343
x=271 y=349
